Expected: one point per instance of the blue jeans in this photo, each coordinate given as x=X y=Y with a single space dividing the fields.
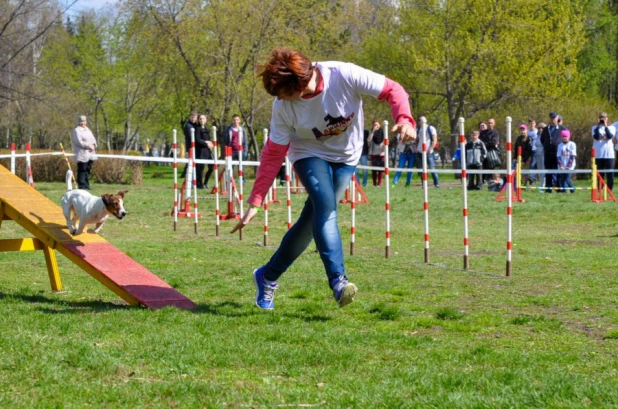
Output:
x=405 y=158
x=431 y=164
x=564 y=181
x=325 y=183
x=364 y=160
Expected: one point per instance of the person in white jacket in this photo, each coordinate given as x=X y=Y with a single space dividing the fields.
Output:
x=84 y=148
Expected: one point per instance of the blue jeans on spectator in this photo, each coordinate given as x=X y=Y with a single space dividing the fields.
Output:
x=431 y=164
x=564 y=181
x=325 y=183
x=364 y=161
x=405 y=158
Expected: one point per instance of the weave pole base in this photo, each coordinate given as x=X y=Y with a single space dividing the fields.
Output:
x=509 y=268
x=387 y=252
x=186 y=212
x=351 y=249
x=466 y=263
x=426 y=255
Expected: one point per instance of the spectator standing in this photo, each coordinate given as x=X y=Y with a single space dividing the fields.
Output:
x=190 y=124
x=233 y=135
x=533 y=134
x=565 y=156
x=431 y=139
x=364 y=159
x=203 y=150
x=524 y=142
x=475 y=155
x=376 y=151
x=604 y=136
x=407 y=155
x=84 y=148
x=551 y=138
x=491 y=139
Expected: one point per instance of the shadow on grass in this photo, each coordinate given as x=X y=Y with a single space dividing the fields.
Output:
x=66 y=307
x=235 y=310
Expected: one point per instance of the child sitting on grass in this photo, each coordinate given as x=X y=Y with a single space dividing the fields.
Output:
x=495 y=183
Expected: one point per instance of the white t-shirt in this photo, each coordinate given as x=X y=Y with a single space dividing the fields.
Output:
x=604 y=148
x=328 y=126
x=615 y=125
x=431 y=132
x=565 y=151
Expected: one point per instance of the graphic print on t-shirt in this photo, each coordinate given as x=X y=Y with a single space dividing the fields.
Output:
x=334 y=126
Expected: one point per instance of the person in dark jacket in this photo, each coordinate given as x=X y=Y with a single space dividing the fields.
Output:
x=364 y=159
x=190 y=124
x=525 y=143
x=551 y=137
x=491 y=138
x=475 y=156
x=203 y=147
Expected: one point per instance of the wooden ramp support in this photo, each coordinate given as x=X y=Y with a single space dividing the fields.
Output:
x=44 y=220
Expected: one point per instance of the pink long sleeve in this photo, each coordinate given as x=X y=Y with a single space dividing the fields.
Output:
x=397 y=98
x=272 y=157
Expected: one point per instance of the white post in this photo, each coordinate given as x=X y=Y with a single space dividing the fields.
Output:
x=194 y=174
x=509 y=196
x=464 y=187
x=387 y=207
x=216 y=169
x=13 y=158
x=175 y=166
x=425 y=189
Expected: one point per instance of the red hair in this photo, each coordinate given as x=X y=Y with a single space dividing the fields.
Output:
x=286 y=72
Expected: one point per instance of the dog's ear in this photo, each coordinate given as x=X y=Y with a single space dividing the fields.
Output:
x=106 y=198
x=122 y=193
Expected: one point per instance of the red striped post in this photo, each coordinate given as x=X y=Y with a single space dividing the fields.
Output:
x=288 y=192
x=464 y=187
x=425 y=193
x=12 y=158
x=387 y=207
x=194 y=173
x=175 y=167
x=266 y=216
x=509 y=196
x=215 y=148
x=240 y=182
x=29 y=177
x=229 y=181
x=353 y=207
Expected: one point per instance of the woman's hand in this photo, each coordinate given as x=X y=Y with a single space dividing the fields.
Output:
x=249 y=214
x=407 y=132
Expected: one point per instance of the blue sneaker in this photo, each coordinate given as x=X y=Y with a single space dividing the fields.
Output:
x=343 y=291
x=265 y=294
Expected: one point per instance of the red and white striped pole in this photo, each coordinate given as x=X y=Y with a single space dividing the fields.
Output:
x=425 y=190
x=288 y=192
x=464 y=189
x=509 y=197
x=215 y=148
x=387 y=206
x=194 y=173
x=29 y=177
x=13 y=158
x=175 y=167
x=353 y=207
x=241 y=180
x=267 y=199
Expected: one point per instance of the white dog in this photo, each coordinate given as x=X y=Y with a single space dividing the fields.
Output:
x=89 y=209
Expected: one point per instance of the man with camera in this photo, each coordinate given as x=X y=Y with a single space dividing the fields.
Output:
x=604 y=136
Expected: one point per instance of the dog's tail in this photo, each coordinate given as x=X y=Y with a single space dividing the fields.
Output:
x=69 y=180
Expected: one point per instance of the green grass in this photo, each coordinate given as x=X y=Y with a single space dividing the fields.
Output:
x=417 y=335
